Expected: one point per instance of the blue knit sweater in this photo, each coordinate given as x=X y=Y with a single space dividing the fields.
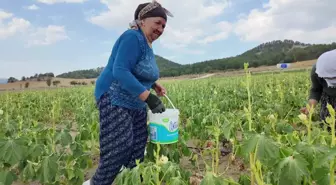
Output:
x=131 y=69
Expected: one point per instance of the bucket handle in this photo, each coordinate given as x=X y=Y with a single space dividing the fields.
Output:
x=169 y=101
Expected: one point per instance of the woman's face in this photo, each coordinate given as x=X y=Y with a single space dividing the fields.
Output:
x=153 y=27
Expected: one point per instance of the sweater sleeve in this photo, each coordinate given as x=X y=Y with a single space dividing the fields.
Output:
x=316 y=87
x=126 y=58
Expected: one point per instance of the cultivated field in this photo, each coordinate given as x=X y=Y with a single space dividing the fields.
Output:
x=51 y=136
x=64 y=82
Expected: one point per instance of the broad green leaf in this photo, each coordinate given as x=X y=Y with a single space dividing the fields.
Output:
x=29 y=172
x=76 y=149
x=211 y=179
x=64 y=137
x=324 y=160
x=244 y=180
x=7 y=178
x=227 y=128
x=134 y=176
x=79 y=174
x=310 y=152
x=12 y=150
x=48 y=169
x=70 y=173
x=321 y=176
x=267 y=150
x=284 y=128
x=35 y=150
x=170 y=170
x=122 y=177
x=176 y=181
x=292 y=169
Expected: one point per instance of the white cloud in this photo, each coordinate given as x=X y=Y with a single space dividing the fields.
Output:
x=32 y=7
x=11 y=25
x=301 y=20
x=190 y=24
x=48 y=35
x=60 y=1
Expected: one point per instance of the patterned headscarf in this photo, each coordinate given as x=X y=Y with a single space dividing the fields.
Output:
x=153 y=9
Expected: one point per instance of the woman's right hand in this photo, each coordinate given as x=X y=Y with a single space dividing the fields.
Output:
x=154 y=103
x=143 y=96
x=304 y=110
x=311 y=102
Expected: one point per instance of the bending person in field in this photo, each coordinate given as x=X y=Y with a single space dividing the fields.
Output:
x=323 y=87
x=123 y=93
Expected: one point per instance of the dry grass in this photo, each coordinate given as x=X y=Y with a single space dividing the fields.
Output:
x=66 y=82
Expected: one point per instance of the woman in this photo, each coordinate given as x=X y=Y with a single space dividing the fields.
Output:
x=122 y=93
x=323 y=79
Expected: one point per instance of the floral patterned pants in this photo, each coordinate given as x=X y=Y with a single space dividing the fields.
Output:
x=123 y=138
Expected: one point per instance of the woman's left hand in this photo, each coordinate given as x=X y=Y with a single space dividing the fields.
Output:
x=160 y=90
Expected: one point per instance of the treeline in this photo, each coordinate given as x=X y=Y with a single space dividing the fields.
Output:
x=94 y=73
x=266 y=54
x=82 y=74
x=36 y=77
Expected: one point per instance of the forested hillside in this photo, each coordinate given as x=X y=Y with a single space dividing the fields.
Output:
x=93 y=73
x=269 y=53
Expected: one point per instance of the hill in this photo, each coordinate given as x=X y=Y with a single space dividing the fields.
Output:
x=266 y=54
x=94 y=73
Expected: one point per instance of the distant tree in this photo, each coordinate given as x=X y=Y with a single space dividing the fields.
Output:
x=12 y=80
x=23 y=78
x=49 y=82
x=73 y=83
x=56 y=82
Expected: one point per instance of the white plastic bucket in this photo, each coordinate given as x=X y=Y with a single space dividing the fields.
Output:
x=164 y=126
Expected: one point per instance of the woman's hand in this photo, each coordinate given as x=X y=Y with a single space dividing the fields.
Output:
x=159 y=89
x=312 y=103
x=143 y=96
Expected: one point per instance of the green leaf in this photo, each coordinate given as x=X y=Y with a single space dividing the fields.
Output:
x=211 y=179
x=7 y=178
x=321 y=176
x=324 y=160
x=35 y=150
x=310 y=152
x=292 y=169
x=284 y=128
x=176 y=181
x=28 y=172
x=122 y=177
x=244 y=180
x=77 y=149
x=267 y=150
x=48 y=169
x=134 y=176
x=64 y=137
x=12 y=150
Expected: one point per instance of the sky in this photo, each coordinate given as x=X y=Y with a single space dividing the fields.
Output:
x=39 y=36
